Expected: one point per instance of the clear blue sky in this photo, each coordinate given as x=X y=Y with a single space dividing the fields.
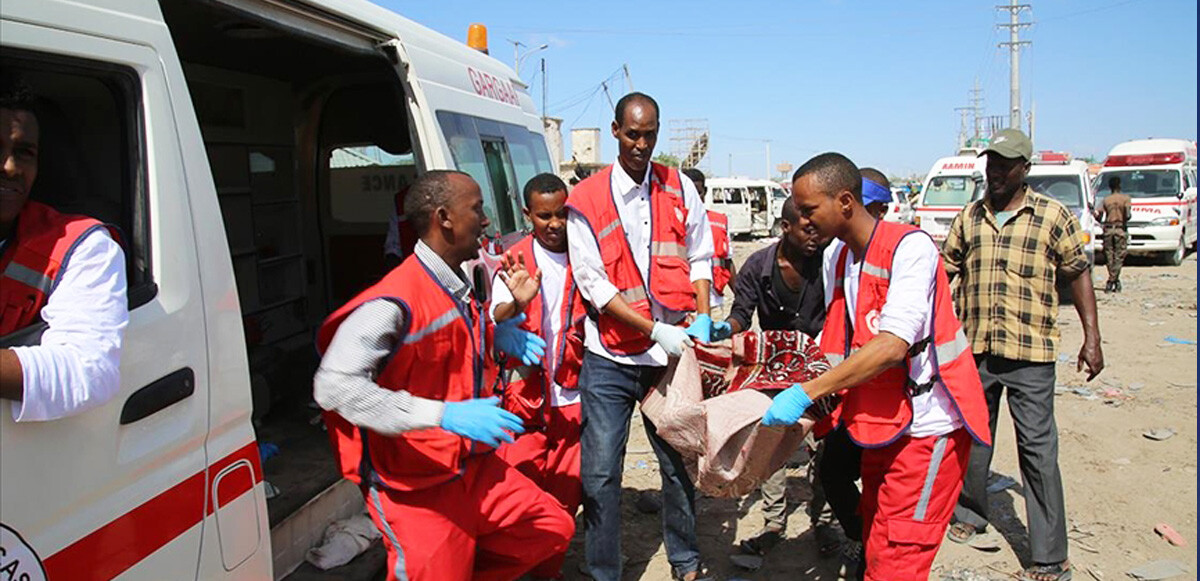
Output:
x=878 y=81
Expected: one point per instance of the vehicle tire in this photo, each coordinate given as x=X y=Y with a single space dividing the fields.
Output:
x=777 y=229
x=1175 y=257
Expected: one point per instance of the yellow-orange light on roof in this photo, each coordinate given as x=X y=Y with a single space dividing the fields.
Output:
x=477 y=37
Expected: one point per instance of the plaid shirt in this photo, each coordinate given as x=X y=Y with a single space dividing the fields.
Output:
x=1006 y=297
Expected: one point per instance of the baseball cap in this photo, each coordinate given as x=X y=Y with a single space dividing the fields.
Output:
x=1011 y=143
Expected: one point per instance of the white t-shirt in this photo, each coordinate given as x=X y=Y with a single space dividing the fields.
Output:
x=905 y=314
x=554 y=274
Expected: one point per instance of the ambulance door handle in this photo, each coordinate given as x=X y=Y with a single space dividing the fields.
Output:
x=160 y=394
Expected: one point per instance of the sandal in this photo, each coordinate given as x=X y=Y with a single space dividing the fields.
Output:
x=961 y=532
x=829 y=542
x=1053 y=572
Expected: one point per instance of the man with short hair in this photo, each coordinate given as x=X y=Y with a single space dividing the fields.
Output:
x=912 y=398
x=1114 y=213
x=66 y=271
x=877 y=192
x=545 y=396
x=640 y=247
x=403 y=370
x=1009 y=248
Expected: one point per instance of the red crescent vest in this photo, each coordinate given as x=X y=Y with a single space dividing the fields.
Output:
x=527 y=392
x=879 y=411
x=33 y=260
x=442 y=356
x=670 y=280
x=722 y=261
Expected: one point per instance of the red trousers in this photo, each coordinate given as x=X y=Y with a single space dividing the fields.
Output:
x=909 y=491
x=550 y=458
x=490 y=524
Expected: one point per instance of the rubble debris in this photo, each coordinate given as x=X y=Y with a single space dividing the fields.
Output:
x=1156 y=570
x=1159 y=434
x=1171 y=535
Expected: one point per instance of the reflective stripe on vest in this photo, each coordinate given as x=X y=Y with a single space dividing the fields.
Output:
x=28 y=277
x=434 y=326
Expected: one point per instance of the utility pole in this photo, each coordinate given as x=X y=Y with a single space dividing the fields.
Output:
x=962 y=125
x=545 y=87
x=977 y=109
x=628 y=77
x=1014 y=44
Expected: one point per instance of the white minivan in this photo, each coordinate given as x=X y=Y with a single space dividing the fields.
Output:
x=751 y=205
x=952 y=183
x=250 y=152
x=1160 y=176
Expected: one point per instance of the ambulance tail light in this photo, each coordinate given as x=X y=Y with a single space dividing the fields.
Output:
x=1144 y=159
x=477 y=37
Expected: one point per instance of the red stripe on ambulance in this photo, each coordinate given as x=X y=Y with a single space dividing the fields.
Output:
x=115 y=547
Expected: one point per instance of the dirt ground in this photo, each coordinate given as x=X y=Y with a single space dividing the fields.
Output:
x=1118 y=484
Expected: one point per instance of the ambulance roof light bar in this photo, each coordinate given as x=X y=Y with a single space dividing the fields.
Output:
x=477 y=37
x=1144 y=159
x=1052 y=158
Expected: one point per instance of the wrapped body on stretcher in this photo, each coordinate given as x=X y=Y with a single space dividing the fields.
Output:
x=709 y=403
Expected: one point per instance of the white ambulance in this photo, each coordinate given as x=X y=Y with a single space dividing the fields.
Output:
x=250 y=151
x=1160 y=176
x=1058 y=176
x=952 y=183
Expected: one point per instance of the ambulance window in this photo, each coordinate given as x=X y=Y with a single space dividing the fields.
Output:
x=733 y=196
x=503 y=187
x=467 y=151
x=91 y=155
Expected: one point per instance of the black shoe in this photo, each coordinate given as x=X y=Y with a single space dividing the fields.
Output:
x=1108 y=286
x=852 y=560
x=1117 y=286
x=762 y=542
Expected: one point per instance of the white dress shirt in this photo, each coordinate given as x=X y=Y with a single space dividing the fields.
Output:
x=554 y=278
x=633 y=206
x=77 y=365
x=905 y=314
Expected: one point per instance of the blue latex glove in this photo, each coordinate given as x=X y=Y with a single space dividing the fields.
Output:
x=787 y=407
x=721 y=331
x=482 y=420
x=519 y=343
x=701 y=328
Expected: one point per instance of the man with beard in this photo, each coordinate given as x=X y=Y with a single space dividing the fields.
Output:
x=640 y=246
x=1008 y=249
x=404 y=363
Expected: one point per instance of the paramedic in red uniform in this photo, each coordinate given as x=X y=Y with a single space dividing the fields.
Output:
x=723 y=269
x=914 y=401
x=405 y=362
x=640 y=247
x=66 y=271
x=545 y=396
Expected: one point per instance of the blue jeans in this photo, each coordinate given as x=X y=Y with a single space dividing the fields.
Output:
x=609 y=393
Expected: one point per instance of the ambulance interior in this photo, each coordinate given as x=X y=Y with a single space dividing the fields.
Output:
x=308 y=141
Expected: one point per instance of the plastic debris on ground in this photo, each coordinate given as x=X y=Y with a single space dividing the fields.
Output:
x=1171 y=535
x=343 y=541
x=1159 y=434
x=271 y=490
x=1178 y=341
x=1156 y=570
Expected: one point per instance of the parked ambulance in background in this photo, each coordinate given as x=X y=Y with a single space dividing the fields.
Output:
x=250 y=152
x=952 y=183
x=1057 y=175
x=1160 y=176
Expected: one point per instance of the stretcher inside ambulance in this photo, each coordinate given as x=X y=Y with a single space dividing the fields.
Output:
x=1160 y=176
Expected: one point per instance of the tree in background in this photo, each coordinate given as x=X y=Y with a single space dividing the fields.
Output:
x=666 y=159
